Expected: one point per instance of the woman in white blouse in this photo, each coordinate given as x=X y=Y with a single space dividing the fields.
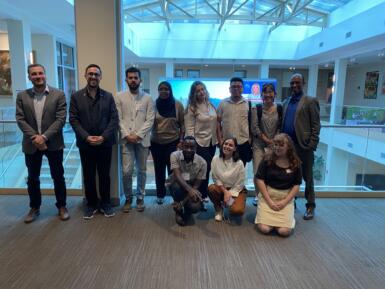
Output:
x=228 y=174
x=201 y=123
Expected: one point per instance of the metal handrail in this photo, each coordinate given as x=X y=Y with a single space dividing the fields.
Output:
x=322 y=125
x=69 y=152
x=11 y=162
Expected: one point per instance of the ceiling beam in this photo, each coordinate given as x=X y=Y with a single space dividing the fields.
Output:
x=180 y=9
x=163 y=5
x=213 y=8
x=136 y=7
x=292 y=15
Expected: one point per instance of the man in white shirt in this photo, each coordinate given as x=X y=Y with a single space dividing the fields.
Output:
x=136 y=118
x=233 y=115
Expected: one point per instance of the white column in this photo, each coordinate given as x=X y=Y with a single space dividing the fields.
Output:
x=339 y=90
x=100 y=42
x=264 y=71
x=44 y=47
x=19 y=37
x=169 y=70
x=312 y=81
x=337 y=167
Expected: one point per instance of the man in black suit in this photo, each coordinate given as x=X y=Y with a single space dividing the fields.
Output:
x=41 y=115
x=94 y=118
x=301 y=121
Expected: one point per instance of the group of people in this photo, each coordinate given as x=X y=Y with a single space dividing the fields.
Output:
x=280 y=140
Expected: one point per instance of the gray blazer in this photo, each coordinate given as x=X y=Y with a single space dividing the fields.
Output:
x=53 y=119
x=307 y=122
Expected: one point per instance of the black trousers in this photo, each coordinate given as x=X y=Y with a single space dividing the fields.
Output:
x=207 y=153
x=179 y=194
x=307 y=159
x=244 y=150
x=161 y=156
x=98 y=159
x=55 y=161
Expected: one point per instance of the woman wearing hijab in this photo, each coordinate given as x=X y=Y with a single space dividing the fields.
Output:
x=167 y=132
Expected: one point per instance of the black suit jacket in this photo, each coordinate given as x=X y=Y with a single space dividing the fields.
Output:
x=80 y=119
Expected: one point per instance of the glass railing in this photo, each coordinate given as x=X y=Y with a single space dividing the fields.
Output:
x=352 y=115
x=13 y=172
x=348 y=159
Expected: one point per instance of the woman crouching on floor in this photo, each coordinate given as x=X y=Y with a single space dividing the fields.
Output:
x=228 y=173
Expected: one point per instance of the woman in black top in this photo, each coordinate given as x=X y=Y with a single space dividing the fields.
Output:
x=278 y=179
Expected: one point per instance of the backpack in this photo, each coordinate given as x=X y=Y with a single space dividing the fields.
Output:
x=259 y=114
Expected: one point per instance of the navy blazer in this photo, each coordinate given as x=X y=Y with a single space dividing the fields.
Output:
x=80 y=120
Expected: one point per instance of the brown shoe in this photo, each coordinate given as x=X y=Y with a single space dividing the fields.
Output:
x=127 y=206
x=63 y=214
x=32 y=215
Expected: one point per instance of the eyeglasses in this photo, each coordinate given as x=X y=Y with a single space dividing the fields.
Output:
x=236 y=86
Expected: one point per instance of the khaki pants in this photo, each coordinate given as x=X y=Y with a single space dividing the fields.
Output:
x=216 y=196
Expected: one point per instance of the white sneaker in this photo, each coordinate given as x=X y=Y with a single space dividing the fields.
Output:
x=218 y=216
x=255 y=201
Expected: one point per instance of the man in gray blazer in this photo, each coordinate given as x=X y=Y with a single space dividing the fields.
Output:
x=301 y=115
x=41 y=115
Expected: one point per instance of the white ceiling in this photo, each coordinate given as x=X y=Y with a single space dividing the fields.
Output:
x=45 y=16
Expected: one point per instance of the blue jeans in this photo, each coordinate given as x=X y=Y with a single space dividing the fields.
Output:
x=134 y=154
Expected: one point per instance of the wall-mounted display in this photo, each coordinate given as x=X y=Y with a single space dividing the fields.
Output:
x=5 y=73
x=371 y=83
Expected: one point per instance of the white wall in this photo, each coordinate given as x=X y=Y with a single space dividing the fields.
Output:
x=45 y=52
x=204 y=41
x=355 y=85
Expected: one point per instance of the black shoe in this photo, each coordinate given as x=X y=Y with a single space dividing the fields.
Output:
x=107 y=211
x=89 y=213
x=309 y=214
x=179 y=219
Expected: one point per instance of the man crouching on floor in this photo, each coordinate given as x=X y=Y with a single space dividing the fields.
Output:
x=188 y=170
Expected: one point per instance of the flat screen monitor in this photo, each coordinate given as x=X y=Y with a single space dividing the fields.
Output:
x=219 y=88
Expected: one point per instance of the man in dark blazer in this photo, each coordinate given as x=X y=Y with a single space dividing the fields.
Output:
x=301 y=115
x=41 y=114
x=94 y=118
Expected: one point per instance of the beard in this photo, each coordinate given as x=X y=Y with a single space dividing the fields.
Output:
x=188 y=156
x=133 y=86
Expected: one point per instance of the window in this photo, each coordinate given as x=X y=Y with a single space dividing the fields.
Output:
x=66 y=69
x=240 y=73
x=193 y=73
x=178 y=73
